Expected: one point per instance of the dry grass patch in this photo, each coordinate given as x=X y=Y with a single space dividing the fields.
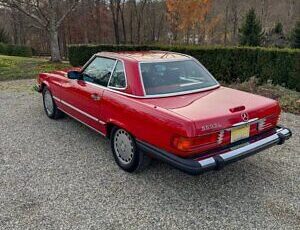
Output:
x=288 y=99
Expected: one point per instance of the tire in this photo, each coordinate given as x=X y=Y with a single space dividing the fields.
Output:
x=50 y=107
x=125 y=151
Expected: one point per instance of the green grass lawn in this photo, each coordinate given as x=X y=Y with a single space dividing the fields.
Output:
x=12 y=68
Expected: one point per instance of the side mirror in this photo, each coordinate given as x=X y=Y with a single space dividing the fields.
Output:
x=75 y=75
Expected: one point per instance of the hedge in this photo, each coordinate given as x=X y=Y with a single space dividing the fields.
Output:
x=15 y=50
x=227 y=64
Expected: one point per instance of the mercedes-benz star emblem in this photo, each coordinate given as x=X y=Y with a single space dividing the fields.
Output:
x=245 y=116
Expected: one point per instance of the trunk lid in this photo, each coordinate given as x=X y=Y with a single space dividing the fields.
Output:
x=219 y=108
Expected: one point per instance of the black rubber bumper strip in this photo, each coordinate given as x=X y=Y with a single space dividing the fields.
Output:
x=219 y=160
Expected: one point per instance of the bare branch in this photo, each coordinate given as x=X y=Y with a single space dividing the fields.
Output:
x=72 y=8
x=39 y=11
x=18 y=5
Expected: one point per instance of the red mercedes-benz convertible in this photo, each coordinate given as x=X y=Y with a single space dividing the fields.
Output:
x=163 y=105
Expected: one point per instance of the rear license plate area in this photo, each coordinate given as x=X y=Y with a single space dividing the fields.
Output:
x=240 y=133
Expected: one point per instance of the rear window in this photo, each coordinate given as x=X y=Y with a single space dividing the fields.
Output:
x=175 y=77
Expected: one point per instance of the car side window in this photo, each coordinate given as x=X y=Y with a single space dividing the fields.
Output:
x=118 y=79
x=99 y=71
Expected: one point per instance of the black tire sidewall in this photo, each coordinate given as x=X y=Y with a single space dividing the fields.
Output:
x=136 y=156
x=54 y=105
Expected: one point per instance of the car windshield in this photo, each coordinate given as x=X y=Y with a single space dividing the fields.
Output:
x=175 y=77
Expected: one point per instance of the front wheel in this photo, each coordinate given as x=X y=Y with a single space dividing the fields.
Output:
x=49 y=105
x=125 y=151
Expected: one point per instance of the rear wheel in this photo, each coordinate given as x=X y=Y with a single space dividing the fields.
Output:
x=125 y=151
x=49 y=105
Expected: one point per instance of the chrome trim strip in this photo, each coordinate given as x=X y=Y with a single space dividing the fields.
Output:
x=141 y=79
x=245 y=150
x=80 y=111
x=56 y=98
x=181 y=93
x=112 y=71
x=245 y=122
x=172 y=52
x=284 y=131
x=124 y=69
x=197 y=61
x=82 y=122
x=115 y=91
x=87 y=63
x=165 y=60
x=220 y=137
x=206 y=163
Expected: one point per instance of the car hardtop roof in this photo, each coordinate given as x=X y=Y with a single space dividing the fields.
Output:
x=145 y=56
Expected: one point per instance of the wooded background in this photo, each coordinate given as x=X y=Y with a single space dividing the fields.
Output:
x=207 y=22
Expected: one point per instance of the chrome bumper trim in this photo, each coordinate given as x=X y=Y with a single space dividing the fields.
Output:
x=219 y=159
x=244 y=151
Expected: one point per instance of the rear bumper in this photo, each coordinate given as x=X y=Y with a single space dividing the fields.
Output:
x=220 y=157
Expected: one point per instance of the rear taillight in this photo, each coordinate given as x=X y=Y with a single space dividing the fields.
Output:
x=190 y=144
x=267 y=123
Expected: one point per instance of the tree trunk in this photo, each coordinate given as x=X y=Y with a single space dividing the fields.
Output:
x=226 y=25
x=139 y=15
x=54 y=45
x=115 y=10
x=123 y=22
x=160 y=26
x=138 y=31
x=53 y=33
x=235 y=20
x=116 y=28
x=131 y=26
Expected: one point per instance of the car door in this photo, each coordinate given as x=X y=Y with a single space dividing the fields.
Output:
x=82 y=98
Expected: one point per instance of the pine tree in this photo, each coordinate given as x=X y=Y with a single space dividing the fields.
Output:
x=295 y=41
x=251 y=33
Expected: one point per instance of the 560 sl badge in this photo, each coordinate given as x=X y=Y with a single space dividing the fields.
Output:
x=211 y=126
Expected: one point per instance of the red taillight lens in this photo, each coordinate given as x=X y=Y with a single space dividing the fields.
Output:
x=206 y=139
x=189 y=144
x=267 y=123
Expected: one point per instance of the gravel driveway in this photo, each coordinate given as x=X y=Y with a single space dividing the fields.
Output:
x=61 y=175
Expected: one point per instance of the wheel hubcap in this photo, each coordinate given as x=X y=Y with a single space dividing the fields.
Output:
x=48 y=102
x=124 y=147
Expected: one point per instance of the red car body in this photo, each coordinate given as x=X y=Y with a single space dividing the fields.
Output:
x=191 y=130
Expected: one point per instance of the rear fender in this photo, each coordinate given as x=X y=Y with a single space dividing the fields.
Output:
x=113 y=123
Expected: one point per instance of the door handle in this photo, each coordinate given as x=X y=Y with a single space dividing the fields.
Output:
x=95 y=97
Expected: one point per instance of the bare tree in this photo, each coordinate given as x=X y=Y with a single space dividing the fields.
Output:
x=234 y=19
x=50 y=25
x=122 y=11
x=131 y=17
x=139 y=11
x=115 y=8
x=45 y=14
x=226 y=25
